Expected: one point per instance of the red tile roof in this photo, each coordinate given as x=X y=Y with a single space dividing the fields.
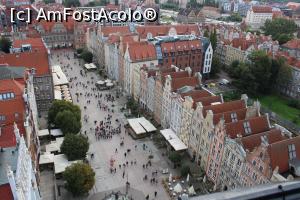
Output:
x=7 y=137
x=35 y=59
x=9 y=108
x=195 y=94
x=292 y=44
x=206 y=101
x=242 y=43
x=48 y=25
x=257 y=125
x=6 y=193
x=186 y=81
x=141 y=51
x=252 y=141
x=240 y=113
x=36 y=43
x=180 y=45
x=107 y=30
x=279 y=154
x=182 y=29
x=262 y=9
x=225 y=107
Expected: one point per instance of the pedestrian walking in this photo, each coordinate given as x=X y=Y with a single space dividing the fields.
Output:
x=123 y=174
x=155 y=194
x=147 y=197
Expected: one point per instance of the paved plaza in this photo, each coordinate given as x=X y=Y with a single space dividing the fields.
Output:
x=104 y=149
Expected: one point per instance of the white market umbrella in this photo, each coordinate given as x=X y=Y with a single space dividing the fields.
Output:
x=191 y=190
x=100 y=82
x=188 y=178
x=170 y=177
x=107 y=81
x=184 y=197
x=109 y=84
x=178 y=188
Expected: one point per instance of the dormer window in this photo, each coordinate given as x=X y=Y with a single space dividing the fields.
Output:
x=233 y=117
x=292 y=151
x=247 y=127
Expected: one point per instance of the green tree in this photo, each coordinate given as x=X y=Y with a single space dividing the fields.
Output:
x=75 y=147
x=185 y=170
x=280 y=28
x=61 y=105
x=213 y=39
x=80 y=178
x=206 y=33
x=5 y=44
x=284 y=75
x=67 y=122
x=71 y=3
x=49 y=1
x=87 y=56
x=260 y=68
x=175 y=157
x=215 y=66
x=235 y=17
x=80 y=50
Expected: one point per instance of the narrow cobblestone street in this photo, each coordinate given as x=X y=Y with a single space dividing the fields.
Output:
x=104 y=149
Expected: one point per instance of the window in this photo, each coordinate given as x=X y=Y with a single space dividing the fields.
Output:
x=292 y=151
x=261 y=168
x=6 y=96
x=233 y=117
x=254 y=162
x=2 y=118
x=16 y=115
x=247 y=127
x=239 y=162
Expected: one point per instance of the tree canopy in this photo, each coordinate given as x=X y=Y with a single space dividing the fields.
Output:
x=87 y=56
x=213 y=39
x=67 y=122
x=5 y=44
x=175 y=157
x=58 y=116
x=71 y=3
x=216 y=66
x=281 y=29
x=80 y=178
x=75 y=147
x=97 y=3
x=260 y=74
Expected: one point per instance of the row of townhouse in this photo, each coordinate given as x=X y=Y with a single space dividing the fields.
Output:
x=124 y=51
x=19 y=140
x=231 y=141
x=239 y=48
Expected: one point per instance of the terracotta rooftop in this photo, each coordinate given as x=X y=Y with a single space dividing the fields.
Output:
x=206 y=101
x=141 y=51
x=227 y=116
x=9 y=108
x=252 y=141
x=182 y=29
x=107 y=30
x=5 y=192
x=256 y=125
x=35 y=59
x=225 y=107
x=195 y=94
x=181 y=45
x=36 y=43
x=186 y=81
x=262 y=9
x=292 y=44
x=279 y=153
